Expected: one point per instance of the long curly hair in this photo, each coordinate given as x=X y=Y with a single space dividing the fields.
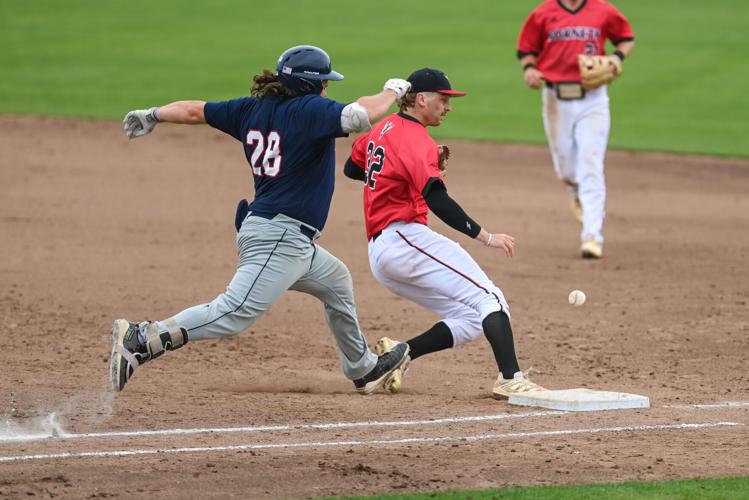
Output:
x=267 y=86
x=408 y=101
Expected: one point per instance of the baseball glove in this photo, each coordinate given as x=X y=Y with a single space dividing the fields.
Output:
x=598 y=70
x=444 y=155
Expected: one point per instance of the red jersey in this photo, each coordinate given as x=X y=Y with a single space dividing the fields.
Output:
x=557 y=35
x=399 y=157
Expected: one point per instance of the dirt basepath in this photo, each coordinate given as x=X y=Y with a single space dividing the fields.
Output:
x=96 y=228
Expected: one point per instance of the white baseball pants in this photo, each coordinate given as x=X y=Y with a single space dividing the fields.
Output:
x=419 y=264
x=578 y=133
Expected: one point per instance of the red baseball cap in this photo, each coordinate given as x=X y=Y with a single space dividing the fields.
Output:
x=432 y=80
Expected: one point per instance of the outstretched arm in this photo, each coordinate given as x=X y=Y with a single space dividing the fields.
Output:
x=377 y=105
x=183 y=112
x=359 y=116
x=448 y=210
x=140 y=122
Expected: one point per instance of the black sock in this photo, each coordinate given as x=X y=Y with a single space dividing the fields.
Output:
x=498 y=332
x=435 y=339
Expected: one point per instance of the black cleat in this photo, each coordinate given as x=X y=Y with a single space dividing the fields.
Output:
x=387 y=363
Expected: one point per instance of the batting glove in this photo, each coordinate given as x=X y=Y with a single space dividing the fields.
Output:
x=399 y=86
x=140 y=122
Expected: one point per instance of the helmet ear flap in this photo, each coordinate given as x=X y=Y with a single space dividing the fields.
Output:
x=311 y=86
x=299 y=85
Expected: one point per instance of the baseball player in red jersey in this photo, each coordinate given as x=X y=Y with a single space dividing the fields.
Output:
x=399 y=164
x=576 y=120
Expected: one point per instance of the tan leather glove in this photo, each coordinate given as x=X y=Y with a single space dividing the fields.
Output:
x=444 y=155
x=598 y=70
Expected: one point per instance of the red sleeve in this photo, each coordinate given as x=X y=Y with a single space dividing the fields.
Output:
x=618 y=28
x=359 y=151
x=531 y=39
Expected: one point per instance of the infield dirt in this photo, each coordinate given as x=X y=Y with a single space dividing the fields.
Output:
x=95 y=227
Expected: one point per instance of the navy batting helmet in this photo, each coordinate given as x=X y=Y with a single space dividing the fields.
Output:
x=303 y=69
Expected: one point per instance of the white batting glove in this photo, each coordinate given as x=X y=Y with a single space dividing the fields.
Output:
x=399 y=86
x=140 y=122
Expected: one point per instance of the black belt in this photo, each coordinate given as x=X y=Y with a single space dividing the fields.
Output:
x=552 y=85
x=305 y=230
x=376 y=235
x=567 y=91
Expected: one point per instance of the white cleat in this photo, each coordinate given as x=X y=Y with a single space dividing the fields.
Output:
x=520 y=383
x=591 y=249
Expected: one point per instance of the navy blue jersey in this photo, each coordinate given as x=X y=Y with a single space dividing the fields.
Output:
x=290 y=145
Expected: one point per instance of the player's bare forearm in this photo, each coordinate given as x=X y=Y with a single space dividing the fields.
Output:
x=528 y=59
x=377 y=105
x=140 y=122
x=626 y=47
x=531 y=74
x=183 y=112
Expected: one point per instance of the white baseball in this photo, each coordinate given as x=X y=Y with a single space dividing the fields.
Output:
x=577 y=298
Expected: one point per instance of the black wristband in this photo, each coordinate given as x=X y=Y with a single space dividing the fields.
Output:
x=528 y=65
x=620 y=54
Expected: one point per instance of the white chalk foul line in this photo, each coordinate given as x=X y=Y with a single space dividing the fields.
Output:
x=59 y=433
x=273 y=428
x=711 y=406
x=375 y=442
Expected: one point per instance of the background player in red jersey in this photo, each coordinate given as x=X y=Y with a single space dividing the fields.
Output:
x=576 y=120
x=398 y=161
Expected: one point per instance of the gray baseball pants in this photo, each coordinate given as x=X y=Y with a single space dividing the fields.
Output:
x=274 y=256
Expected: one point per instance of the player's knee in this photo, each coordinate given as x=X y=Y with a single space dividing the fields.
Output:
x=466 y=332
x=229 y=301
x=485 y=308
x=341 y=272
x=499 y=317
x=465 y=329
x=243 y=311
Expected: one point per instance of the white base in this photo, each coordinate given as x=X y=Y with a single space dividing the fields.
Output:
x=580 y=400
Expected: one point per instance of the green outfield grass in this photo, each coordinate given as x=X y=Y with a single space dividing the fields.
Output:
x=694 y=489
x=684 y=89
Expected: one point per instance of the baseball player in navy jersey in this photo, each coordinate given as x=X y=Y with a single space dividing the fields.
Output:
x=576 y=116
x=287 y=129
x=399 y=164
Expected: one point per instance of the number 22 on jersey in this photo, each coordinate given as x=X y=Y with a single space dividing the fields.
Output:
x=270 y=149
x=375 y=160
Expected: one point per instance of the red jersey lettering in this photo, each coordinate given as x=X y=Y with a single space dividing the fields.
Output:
x=399 y=157
x=557 y=35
